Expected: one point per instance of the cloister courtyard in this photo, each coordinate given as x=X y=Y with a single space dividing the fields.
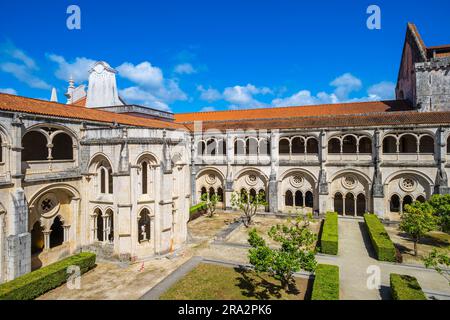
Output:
x=214 y=265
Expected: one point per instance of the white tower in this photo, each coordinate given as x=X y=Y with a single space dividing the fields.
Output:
x=102 y=89
x=54 y=97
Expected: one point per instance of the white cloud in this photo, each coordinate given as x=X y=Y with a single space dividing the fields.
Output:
x=78 y=69
x=384 y=90
x=304 y=97
x=23 y=73
x=143 y=74
x=345 y=84
x=151 y=88
x=17 y=63
x=243 y=96
x=207 y=109
x=138 y=95
x=8 y=90
x=184 y=68
x=209 y=94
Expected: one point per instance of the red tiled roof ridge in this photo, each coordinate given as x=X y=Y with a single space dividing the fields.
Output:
x=41 y=100
x=355 y=115
x=88 y=114
x=291 y=107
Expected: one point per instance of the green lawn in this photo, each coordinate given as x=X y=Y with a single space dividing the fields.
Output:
x=215 y=282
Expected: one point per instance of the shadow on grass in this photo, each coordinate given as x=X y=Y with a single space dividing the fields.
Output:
x=255 y=286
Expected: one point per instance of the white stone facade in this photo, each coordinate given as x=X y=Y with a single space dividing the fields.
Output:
x=69 y=185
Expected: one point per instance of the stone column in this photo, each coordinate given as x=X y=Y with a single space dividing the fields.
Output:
x=166 y=202
x=194 y=171
x=229 y=178
x=76 y=222
x=47 y=239
x=66 y=233
x=19 y=239
x=441 y=181
x=379 y=205
x=323 y=183
x=2 y=251
x=274 y=164
x=105 y=228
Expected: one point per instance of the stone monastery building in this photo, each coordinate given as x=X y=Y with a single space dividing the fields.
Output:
x=99 y=174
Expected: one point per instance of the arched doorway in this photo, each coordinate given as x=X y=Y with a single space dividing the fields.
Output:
x=339 y=203
x=289 y=199
x=37 y=239
x=361 y=205
x=394 y=204
x=309 y=199
x=406 y=201
x=299 y=199
x=349 y=204
x=144 y=226
x=99 y=224
x=57 y=233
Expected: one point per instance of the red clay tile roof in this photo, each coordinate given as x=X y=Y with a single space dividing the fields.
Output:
x=288 y=112
x=394 y=119
x=46 y=108
x=80 y=102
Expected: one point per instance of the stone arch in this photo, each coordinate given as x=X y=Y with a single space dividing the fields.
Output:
x=96 y=159
x=52 y=210
x=303 y=186
x=34 y=144
x=147 y=173
x=426 y=144
x=147 y=155
x=57 y=232
x=57 y=137
x=406 y=185
x=60 y=151
x=101 y=166
x=284 y=145
x=208 y=178
x=145 y=224
x=251 y=178
x=239 y=147
x=345 y=186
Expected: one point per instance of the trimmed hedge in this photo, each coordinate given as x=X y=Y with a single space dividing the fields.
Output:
x=383 y=245
x=329 y=240
x=405 y=287
x=326 y=283
x=197 y=210
x=36 y=283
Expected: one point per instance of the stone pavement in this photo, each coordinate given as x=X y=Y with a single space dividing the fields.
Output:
x=110 y=281
x=356 y=255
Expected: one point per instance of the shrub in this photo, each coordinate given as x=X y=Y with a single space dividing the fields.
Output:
x=326 y=283
x=405 y=287
x=441 y=208
x=197 y=210
x=329 y=239
x=381 y=242
x=36 y=283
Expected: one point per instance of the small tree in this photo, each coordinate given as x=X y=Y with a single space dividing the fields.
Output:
x=248 y=204
x=211 y=203
x=295 y=253
x=417 y=220
x=441 y=208
x=439 y=261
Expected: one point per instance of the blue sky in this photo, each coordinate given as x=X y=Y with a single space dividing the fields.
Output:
x=215 y=55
